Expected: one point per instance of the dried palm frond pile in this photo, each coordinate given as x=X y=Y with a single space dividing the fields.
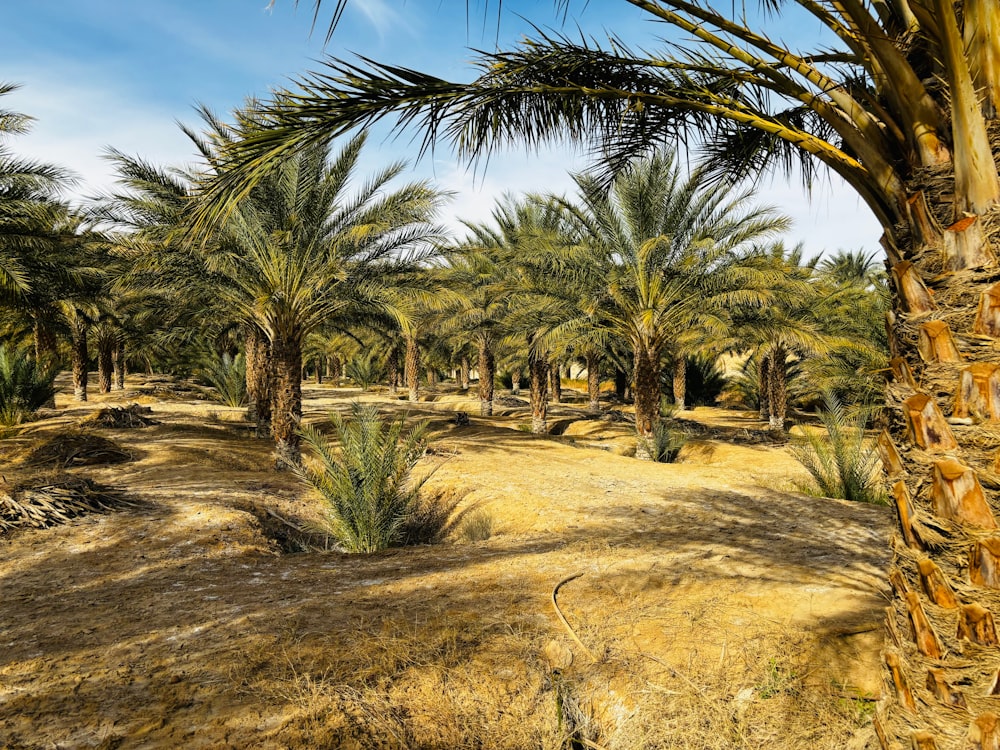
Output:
x=49 y=500
x=119 y=417
x=77 y=448
x=509 y=401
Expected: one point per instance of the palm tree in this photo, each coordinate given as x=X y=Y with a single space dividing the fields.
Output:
x=305 y=251
x=899 y=100
x=664 y=252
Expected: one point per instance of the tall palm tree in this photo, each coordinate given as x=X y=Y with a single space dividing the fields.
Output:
x=664 y=250
x=899 y=99
x=304 y=250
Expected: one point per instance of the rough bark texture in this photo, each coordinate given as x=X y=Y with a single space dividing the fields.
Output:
x=593 y=381
x=942 y=449
x=105 y=347
x=80 y=360
x=319 y=371
x=515 y=381
x=259 y=390
x=777 y=391
x=286 y=357
x=487 y=372
x=680 y=383
x=463 y=373
x=118 y=365
x=538 y=369
x=555 y=382
x=336 y=367
x=45 y=341
x=412 y=368
x=647 y=398
x=764 y=388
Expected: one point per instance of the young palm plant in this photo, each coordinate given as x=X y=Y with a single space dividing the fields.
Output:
x=367 y=486
x=25 y=386
x=228 y=376
x=843 y=462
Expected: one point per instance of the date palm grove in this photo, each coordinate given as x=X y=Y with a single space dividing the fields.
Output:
x=901 y=99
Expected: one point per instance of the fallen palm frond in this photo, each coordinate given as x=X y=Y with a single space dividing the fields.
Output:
x=40 y=502
x=122 y=417
x=77 y=448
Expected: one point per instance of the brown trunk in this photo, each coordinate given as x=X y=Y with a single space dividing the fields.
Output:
x=593 y=381
x=680 y=383
x=46 y=352
x=555 y=382
x=286 y=358
x=777 y=392
x=764 y=388
x=515 y=381
x=412 y=368
x=487 y=371
x=319 y=371
x=118 y=365
x=538 y=369
x=105 y=347
x=393 y=365
x=647 y=399
x=621 y=384
x=463 y=373
x=259 y=380
x=80 y=360
x=336 y=367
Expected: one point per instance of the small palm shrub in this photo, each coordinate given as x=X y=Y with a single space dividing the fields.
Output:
x=367 y=485
x=364 y=371
x=24 y=386
x=666 y=442
x=228 y=376
x=842 y=462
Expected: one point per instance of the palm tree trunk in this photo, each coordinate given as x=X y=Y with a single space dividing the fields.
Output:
x=80 y=360
x=463 y=373
x=764 y=388
x=319 y=371
x=118 y=364
x=777 y=402
x=621 y=384
x=336 y=368
x=105 y=348
x=593 y=381
x=259 y=376
x=647 y=398
x=680 y=382
x=393 y=365
x=555 y=382
x=412 y=368
x=286 y=358
x=515 y=381
x=538 y=369
x=487 y=373
x=941 y=627
x=45 y=342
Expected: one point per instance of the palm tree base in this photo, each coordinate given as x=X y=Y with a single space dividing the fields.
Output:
x=287 y=455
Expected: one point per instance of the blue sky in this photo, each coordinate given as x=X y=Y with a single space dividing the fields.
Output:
x=121 y=73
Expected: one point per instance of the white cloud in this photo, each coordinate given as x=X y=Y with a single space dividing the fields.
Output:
x=76 y=120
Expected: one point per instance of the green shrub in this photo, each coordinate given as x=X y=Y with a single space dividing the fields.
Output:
x=666 y=442
x=367 y=486
x=24 y=386
x=364 y=371
x=228 y=376
x=842 y=461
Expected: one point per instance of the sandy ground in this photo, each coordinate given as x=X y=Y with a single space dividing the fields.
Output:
x=715 y=606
